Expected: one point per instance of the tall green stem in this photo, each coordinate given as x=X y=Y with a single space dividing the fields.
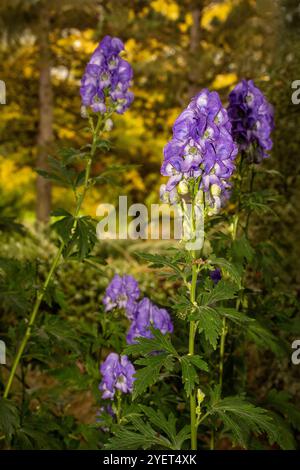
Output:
x=193 y=327
x=222 y=352
x=55 y=262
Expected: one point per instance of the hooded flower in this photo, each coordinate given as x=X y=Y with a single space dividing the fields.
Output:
x=122 y=292
x=107 y=77
x=202 y=147
x=252 y=120
x=147 y=314
x=215 y=275
x=117 y=374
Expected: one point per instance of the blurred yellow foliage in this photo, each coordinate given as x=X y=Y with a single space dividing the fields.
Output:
x=16 y=180
x=219 y=11
x=223 y=80
x=167 y=8
x=187 y=23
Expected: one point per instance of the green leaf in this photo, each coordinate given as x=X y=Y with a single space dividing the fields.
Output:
x=281 y=401
x=158 y=261
x=167 y=426
x=264 y=338
x=139 y=435
x=241 y=418
x=224 y=290
x=146 y=346
x=242 y=250
x=64 y=226
x=17 y=284
x=9 y=419
x=198 y=362
x=189 y=374
x=157 y=418
x=148 y=375
x=235 y=316
x=210 y=322
x=79 y=235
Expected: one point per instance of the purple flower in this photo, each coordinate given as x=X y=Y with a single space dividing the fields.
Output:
x=147 y=314
x=252 y=120
x=215 y=275
x=122 y=292
x=117 y=374
x=107 y=77
x=202 y=147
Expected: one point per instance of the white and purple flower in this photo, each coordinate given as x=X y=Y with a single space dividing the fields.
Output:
x=148 y=314
x=202 y=147
x=252 y=120
x=117 y=374
x=107 y=75
x=122 y=292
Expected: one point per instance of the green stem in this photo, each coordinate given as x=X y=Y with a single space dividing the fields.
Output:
x=55 y=262
x=119 y=407
x=222 y=352
x=193 y=327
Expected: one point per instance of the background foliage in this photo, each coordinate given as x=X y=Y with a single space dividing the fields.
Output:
x=176 y=48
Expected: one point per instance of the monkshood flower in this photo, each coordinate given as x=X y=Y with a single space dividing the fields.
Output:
x=147 y=314
x=117 y=374
x=252 y=120
x=122 y=292
x=202 y=149
x=215 y=275
x=107 y=77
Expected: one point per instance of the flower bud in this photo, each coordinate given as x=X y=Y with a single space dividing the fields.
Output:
x=108 y=125
x=83 y=112
x=183 y=188
x=215 y=190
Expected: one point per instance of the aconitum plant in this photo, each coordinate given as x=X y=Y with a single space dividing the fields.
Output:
x=104 y=91
x=122 y=292
x=199 y=161
x=252 y=120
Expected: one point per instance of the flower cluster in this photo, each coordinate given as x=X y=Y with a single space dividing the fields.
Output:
x=122 y=292
x=202 y=148
x=252 y=120
x=147 y=314
x=117 y=374
x=107 y=77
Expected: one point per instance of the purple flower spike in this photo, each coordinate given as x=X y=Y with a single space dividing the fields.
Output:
x=107 y=77
x=147 y=314
x=122 y=292
x=202 y=147
x=117 y=374
x=252 y=120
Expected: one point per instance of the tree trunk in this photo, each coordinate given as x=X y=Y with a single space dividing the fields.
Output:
x=195 y=49
x=45 y=134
